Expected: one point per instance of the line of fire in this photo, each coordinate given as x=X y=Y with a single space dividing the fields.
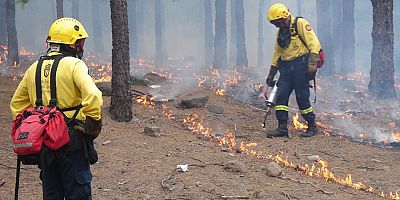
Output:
x=356 y=92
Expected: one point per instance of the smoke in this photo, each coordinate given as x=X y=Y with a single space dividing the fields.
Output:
x=184 y=39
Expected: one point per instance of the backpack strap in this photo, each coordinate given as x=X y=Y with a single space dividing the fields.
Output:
x=297 y=32
x=53 y=73
x=76 y=108
x=53 y=85
x=38 y=79
x=38 y=82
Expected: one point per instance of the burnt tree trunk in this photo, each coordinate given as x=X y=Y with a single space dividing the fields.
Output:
x=298 y=7
x=3 y=26
x=325 y=36
x=75 y=9
x=208 y=33
x=159 y=33
x=241 y=57
x=261 y=19
x=348 y=51
x=121 y=99
x=12 y=41
x=97 y=27
x=337 y=31
x=233 y=38
x=220 y=41
x=381 y=83
x=60 y=9
x=133 y=35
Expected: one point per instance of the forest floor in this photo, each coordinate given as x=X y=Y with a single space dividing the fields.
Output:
x=133 y=165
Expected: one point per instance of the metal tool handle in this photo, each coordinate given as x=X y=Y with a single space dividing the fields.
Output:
x=17 y=178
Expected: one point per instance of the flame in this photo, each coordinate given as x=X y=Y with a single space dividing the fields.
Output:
x=145 y=100
x=298 y=125
x=220 y=92
x=396 y=136
x=320 y=169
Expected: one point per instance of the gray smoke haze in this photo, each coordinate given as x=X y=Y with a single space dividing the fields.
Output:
x=184 y=38
x=184 y=27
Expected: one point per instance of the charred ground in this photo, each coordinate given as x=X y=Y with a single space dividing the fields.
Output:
x=133 y=165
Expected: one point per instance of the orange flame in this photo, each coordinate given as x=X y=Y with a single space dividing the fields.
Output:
x=298 y=125
x=396 y=136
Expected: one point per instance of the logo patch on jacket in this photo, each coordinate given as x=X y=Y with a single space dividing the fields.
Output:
x=308 y=27
x=47 y=70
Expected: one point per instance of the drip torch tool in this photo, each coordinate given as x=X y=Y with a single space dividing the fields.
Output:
x=270 y=100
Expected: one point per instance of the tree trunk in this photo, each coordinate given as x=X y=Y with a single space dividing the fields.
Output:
x=60 y=9
x=159 y=33
x=3 y=26
x=12 y=57
x=133 y=35
x=381 y=83
x=220 y=41
x=298 y=7
x=348 y=61
x=261 y=19
x=97 y=27
x=234 y=32
x=337 y=30
x=141 y=47
x=325 y=36
x=75 y=9
x=121 y=99
x=241 y=35
x=208 y=33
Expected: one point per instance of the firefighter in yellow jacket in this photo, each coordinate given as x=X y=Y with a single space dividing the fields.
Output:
x=295 y=56
x=67 y=171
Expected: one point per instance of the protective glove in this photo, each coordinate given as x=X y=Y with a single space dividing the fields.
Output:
x=270 y=78
x=312 y=63
x=92 y=127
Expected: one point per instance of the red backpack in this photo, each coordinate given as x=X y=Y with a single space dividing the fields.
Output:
x=41 y=124
x=321 y=61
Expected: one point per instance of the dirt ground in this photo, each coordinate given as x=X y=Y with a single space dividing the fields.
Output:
x=133 y=165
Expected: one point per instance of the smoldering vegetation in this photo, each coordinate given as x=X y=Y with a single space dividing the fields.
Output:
x=342 y=104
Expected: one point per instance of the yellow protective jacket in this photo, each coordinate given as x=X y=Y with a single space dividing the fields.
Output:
x=74 y=86
x=296 y=47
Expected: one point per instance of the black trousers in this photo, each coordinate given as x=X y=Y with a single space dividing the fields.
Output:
x=294 y=76
x=67 y=172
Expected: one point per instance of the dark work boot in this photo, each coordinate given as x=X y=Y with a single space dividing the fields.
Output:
x=312 y=130
x=281 y=131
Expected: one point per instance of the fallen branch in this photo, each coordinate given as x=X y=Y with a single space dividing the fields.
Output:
x=347 y=191
x=235 y=197
x=369 y=168
x=139 y=92
x=325 y=192
x=197 y=160
x=169 y=177
x=301 y=182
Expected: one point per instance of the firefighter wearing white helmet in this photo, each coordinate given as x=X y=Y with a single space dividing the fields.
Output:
x=295 y=56
x=67 y=170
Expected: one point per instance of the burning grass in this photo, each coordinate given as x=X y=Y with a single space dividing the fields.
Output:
x=196 y=124
x=225 y=82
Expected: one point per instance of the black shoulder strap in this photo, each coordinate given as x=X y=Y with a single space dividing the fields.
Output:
x=38 y=80
x=53 y=91
x=297 y=32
